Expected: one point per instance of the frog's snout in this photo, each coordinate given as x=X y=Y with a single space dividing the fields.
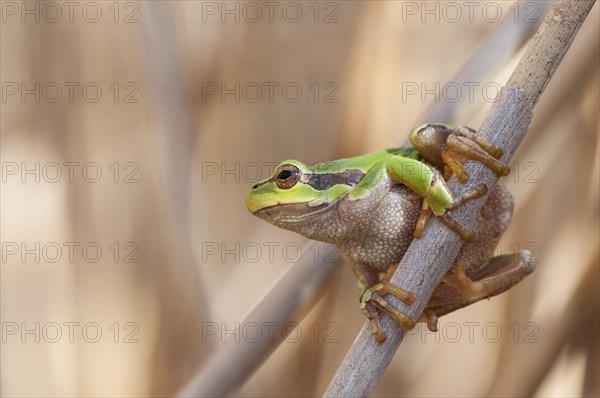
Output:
x=250 y=202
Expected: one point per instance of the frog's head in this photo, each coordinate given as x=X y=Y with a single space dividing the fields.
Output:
x=295 y=192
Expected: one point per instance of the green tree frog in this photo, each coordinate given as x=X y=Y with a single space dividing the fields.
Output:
x=372 y=206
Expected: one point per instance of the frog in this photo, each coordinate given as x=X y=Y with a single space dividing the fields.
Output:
x=372 y=206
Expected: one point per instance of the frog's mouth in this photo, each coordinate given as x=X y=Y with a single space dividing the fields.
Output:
x=292 y=212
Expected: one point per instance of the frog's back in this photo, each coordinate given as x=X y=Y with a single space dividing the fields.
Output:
x=405 y=151
x=365 y=162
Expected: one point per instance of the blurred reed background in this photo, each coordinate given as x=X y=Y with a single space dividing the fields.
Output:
x=181 y=113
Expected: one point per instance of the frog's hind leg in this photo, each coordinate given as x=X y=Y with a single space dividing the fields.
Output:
x=498 y=275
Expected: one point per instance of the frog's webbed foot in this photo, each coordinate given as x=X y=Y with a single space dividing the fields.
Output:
x=448 y=147
x=464 y=144
x=373 y=299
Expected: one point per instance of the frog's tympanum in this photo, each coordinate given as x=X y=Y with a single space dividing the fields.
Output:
x=372 y=206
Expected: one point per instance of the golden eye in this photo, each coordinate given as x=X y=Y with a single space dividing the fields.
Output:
x=286 y=176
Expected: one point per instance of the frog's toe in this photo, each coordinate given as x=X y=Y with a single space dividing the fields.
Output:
x=460 y=148
x=455 y=163
x=487 y=146
x=430 y=319
x=460 y=280
x=422 y=222
x=452 y=223
x=384 y=287
x=403 y=319
x=373 y=299
x=370 y=312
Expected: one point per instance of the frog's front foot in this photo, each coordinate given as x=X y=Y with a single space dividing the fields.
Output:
x=373 y=299
x=464 y=144
x=466 y=235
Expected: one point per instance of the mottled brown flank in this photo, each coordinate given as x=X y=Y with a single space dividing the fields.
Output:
x=322 y=182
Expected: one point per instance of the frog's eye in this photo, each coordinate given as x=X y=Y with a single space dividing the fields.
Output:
x=286 y=176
